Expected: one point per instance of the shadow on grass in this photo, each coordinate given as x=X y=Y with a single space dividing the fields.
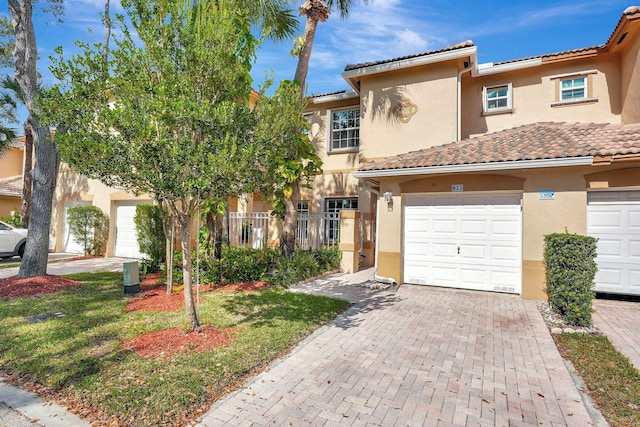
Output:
x=55 y=349
x=268 y=306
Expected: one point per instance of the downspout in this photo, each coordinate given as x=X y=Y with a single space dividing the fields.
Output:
x=381 y=279
x=459 y=109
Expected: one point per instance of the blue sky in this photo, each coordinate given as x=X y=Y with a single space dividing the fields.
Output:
x=382 y=29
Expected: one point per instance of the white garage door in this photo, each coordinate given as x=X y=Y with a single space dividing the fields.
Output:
x=464 y=241
x=69 y=244
x=614 y=218
x=126 y=244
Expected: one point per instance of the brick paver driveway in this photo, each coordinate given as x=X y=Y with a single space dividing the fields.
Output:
x=418 y=356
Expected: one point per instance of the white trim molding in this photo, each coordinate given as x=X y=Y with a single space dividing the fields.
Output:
x=476 y=167
x=334 y=97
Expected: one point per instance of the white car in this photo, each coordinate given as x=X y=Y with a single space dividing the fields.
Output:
x=12 y=241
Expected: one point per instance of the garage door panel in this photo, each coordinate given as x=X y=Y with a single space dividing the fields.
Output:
x=501 y=227
x=507 y=254
x=471 y=252
x=504 y=279
x=471 y=243
x=609 y=248
x=634 y=221
x=474 y=227
x=474 y=277
x=444 y=275
x=605 y=218
x=126 y=240
x=444 y=227
x=614 y=219
x=634 y=251
x=634 y=280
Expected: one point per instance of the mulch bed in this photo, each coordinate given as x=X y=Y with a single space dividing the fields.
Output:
x=165 y=344
x=171 y=341
x=12 y=287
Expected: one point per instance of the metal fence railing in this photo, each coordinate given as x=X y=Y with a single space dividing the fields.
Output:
x=314 y=230
x=318 y=230
x=248 y=229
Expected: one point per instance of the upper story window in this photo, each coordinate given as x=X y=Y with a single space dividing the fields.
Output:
x=574 y=88
x=345 y=129
x=497 y=99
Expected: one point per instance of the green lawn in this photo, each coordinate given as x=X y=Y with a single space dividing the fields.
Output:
x=81 y=354
x=613 y=381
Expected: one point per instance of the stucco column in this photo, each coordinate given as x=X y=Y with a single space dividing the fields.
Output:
x=349 y=240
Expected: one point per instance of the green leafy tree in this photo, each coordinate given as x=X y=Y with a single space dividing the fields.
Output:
x=292 y=158
x=172 y=119
x=7 y=100
x=86 y=225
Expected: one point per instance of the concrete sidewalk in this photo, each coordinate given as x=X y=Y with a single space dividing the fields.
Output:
x=80 y=266
x=20 y=408
x=418 y=356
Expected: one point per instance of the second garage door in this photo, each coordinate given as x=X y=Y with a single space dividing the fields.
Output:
x=126 y=244
x=464 y=241
x=614 y=218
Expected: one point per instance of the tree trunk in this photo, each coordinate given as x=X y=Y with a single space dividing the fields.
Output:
x=305 y=53
x=168 y=227
x=189 y=304
x=225 y=226
x=289 y=226
x=219 y=226
x=27 y=178
x=315 y=11
x=45 y=172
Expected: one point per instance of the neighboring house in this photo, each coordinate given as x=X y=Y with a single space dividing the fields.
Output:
x=463 y=168
x=11 y=167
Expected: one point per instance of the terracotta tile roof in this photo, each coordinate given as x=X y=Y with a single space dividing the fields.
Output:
x=553 y=55
x=11 y=186
x=17 y=142
x=336 y=92
x=535 y=141
x=467 y=43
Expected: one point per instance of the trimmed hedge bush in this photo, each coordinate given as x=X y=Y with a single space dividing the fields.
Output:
x=89 y=227
x=570 y=269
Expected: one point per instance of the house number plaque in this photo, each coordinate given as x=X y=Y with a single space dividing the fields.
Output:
x=456 y=188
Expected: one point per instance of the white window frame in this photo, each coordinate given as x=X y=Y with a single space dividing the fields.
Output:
x=571 y=89
x=332 y=229
x=329 y=132
x=502 y=109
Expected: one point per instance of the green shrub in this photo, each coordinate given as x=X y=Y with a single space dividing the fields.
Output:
x=570 y=269
x=89 y=227
x=246 y=264
x=148 y=220
x=14 y=219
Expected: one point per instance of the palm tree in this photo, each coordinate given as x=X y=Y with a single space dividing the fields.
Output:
x=315 y=11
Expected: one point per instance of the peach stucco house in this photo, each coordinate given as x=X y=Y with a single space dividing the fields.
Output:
x=452 y=172
x=11 y=167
